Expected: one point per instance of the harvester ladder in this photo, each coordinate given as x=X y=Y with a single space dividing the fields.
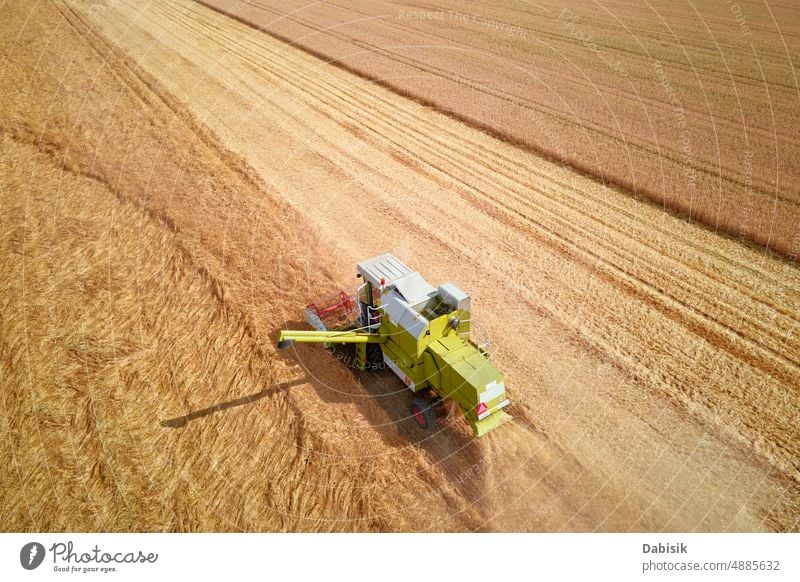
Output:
x=361 y=357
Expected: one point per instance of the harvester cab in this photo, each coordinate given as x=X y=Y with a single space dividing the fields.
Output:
x=421 y=333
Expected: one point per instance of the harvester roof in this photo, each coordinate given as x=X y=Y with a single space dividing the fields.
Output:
x=390 y=271
x=385 y=266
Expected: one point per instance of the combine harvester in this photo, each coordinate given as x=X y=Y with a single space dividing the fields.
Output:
x=421 y=333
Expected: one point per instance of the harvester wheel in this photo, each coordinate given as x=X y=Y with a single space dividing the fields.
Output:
x=374 y=357
x=422 y=413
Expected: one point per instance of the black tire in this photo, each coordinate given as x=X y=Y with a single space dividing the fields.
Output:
x=374 y=357
x=422 y=413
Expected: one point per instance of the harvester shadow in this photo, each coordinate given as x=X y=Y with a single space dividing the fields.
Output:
x=383 y=401
x=182 y=421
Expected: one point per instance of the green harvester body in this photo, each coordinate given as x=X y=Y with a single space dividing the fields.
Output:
x=422 y=333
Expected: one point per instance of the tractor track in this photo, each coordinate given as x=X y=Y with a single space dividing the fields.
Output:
x=653 y=363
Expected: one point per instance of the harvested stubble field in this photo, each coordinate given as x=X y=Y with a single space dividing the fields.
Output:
x=175 y=186
x=692 y=104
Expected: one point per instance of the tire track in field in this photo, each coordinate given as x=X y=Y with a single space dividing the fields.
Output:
x=729 y=123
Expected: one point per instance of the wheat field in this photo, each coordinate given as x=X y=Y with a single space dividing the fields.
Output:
x=176 y=186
